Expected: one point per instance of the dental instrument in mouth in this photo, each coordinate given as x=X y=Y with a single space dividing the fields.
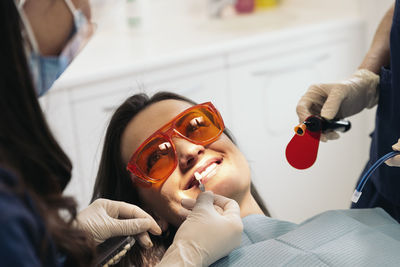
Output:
x=198 y=178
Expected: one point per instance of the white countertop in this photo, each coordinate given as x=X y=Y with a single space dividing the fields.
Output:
x=171 y=35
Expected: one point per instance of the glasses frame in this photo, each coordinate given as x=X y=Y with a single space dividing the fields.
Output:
x=168 y=131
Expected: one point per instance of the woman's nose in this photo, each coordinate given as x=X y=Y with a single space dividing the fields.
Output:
x=188 y=153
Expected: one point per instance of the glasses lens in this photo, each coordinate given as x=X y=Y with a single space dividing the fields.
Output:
x=200 y=125
x=157 y=158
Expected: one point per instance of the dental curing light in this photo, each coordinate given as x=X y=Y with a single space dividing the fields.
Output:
x=302 y=150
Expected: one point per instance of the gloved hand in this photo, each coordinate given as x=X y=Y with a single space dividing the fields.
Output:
x=107 y=218
x=340 y=100
x=395 y=161
x=206 y=235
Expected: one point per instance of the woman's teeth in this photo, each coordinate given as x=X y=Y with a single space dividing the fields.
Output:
x=197 y=176
x=208 y=172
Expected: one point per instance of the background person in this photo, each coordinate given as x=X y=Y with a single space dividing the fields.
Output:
x=377 y=81
x=38 y=226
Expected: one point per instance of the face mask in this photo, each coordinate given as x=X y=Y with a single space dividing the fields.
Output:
x=46 y=69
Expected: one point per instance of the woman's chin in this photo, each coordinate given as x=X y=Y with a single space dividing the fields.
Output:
x=221 y=187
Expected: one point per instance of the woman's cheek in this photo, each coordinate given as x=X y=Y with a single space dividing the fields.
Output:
x=225 y=186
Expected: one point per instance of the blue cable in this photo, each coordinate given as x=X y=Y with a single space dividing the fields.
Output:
x=379 y=162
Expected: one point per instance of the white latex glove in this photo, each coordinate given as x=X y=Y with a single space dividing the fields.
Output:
x=107 y=218
x=340 y=100
x=395 y=161
x=206 y=235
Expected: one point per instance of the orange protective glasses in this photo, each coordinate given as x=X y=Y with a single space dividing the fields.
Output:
x=156 y=157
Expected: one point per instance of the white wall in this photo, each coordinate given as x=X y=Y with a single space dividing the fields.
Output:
x=373 y=11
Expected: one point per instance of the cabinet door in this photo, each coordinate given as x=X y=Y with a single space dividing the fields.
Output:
x=91 y=118
x=265 y=93
x=79 y=117
x=201 y=80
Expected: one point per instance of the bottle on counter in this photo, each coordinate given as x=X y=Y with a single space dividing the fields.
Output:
x=134 y=16
x=221 y=8
x=263 y=4
x=244 y=6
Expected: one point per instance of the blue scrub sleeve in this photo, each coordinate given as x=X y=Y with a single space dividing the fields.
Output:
x=24 y=240
x=17 y=235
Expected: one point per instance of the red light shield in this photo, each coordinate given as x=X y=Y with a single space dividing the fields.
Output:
x=301 y=152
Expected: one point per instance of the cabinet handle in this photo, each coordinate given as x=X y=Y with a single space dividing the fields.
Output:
x=109 y=109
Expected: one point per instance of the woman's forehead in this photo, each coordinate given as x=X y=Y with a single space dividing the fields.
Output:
x=147 y=121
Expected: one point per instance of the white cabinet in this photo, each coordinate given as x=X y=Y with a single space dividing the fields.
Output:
x=201 y=80
x=88 y=110
x=256 y=83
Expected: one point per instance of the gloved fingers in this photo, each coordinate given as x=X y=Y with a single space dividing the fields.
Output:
x=393 y=162
x=303 y=110
x=332 y=135
x=311 y=102
x=133 y=227
x=219 y=210
x=396 y=146
x=183 y=212
x=229 y=206
x=329 y=135
x=129 y=211
x=332 y=104
x=204 y=200
x=144 y=240
x=188 y=203
x=187 y=206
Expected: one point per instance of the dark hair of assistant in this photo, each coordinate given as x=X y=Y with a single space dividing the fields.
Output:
x=29 y=151
x=113 y=180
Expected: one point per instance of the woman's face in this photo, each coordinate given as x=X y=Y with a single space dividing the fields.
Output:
x=230 y=178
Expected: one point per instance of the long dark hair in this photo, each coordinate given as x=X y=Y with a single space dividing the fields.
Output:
x=29 y=150
x=113 y=181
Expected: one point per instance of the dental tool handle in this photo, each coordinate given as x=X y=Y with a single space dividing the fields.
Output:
x=338 y=125
x=202 y=187
x=112 y=250
x=317 y=123
x=198 y=178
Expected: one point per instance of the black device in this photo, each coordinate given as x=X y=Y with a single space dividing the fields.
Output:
x=316 y=123
x=111 y=248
